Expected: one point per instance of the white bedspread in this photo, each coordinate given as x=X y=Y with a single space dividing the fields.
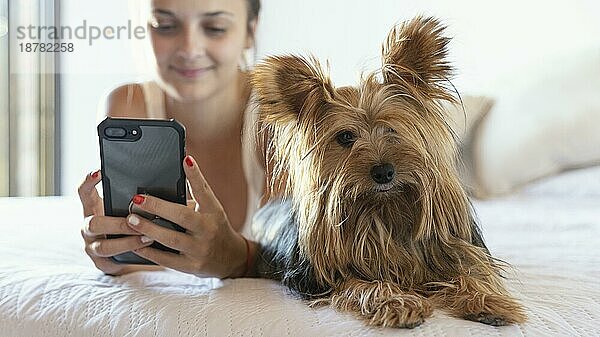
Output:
x=49 y=288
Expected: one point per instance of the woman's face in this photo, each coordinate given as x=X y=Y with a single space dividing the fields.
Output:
x=198 y=44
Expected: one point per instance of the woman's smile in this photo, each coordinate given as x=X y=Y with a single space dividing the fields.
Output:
x=191 y=72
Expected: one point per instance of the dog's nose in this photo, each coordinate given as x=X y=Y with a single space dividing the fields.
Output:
x=382 y=174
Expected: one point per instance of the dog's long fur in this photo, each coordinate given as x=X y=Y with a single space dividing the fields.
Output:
x=392 y=252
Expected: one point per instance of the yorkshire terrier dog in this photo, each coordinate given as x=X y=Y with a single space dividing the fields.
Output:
x=372 y=217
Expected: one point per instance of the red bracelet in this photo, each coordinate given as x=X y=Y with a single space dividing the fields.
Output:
x=248 y=257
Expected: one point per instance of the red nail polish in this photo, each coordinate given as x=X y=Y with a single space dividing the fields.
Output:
x=138 y=199
x=189 y=161
x=95 y=174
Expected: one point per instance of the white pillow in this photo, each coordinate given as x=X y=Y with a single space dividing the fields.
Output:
x=463 y=122
x=552 y=126
x=572 y=184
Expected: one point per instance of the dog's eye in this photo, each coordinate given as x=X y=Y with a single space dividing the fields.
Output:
x=345 y=138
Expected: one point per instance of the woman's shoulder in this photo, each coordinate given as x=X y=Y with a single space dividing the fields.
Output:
x=126 y=101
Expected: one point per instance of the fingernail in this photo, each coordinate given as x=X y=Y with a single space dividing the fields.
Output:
x=146 y=239
x=134 y=220
x=189 y=161
x=95 y=174
x=138 y=199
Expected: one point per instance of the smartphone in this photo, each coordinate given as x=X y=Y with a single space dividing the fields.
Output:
x=141 y=156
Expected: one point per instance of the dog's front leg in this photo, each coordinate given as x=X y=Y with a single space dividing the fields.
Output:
x=479 y=299
x=381 y=303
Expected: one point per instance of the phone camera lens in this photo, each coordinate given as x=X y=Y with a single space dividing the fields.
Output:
x=115 y=132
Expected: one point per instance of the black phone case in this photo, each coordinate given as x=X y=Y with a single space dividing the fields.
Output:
x=146 y=160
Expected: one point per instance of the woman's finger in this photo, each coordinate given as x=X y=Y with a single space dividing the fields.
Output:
x=182 y=215
x=112 y=247
x=191 y=204
x=91 y=201
x=166 y=259
x=173 y=239
x=199 y=188
x=97 y=225
x=106 y=265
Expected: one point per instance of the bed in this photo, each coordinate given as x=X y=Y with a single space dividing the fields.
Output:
x=549 y=232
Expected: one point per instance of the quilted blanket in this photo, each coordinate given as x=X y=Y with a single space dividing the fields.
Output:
x=48 y=287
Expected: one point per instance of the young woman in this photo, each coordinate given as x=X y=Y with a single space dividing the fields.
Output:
x=198 y=46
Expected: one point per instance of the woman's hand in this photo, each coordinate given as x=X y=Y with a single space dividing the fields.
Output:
x=210 y=247
x=97 y=226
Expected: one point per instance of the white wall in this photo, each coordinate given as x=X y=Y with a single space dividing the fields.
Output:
x=496 y=46
x=491 y=39
x=87 y=76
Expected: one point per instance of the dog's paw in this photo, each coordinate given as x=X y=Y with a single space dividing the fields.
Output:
x=405 y=312
x=486 y=318
x=499 y=310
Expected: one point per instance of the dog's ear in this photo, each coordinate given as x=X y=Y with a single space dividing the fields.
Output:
x=289 y=88
x=414 y=57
